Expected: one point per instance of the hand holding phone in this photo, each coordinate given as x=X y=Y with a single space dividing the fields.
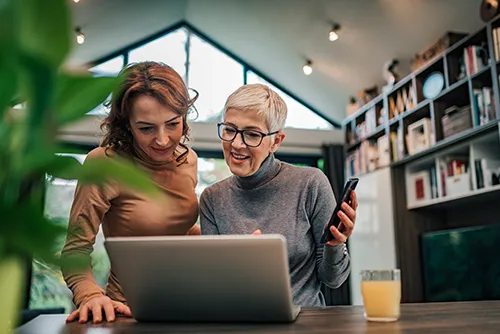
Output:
x=335 y=220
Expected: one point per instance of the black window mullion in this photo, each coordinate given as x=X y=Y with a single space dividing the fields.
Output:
x=187 y=48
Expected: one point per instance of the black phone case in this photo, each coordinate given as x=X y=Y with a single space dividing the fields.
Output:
x=335 y=220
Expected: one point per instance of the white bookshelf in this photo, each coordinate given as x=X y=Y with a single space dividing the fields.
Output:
x=481 y=156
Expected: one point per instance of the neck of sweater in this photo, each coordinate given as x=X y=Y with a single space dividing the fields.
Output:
x=143 y=158
x=267 y=171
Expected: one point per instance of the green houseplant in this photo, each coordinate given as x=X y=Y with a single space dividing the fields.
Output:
x=35 y=39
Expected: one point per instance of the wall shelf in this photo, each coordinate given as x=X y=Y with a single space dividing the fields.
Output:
x=454 y=199
x=443 y=144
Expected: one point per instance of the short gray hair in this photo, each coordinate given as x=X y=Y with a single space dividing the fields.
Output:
x=260 y=98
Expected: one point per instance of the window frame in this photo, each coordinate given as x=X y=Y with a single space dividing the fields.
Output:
x=193 y=30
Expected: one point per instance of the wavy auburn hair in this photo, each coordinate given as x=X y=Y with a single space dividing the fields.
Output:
x=154 y=79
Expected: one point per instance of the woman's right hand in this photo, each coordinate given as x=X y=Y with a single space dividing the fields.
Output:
x=96 y=306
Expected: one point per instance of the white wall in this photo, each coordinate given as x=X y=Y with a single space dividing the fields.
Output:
x=372 y=244
x=204 y=136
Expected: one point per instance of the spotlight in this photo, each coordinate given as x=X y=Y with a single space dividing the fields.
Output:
x=80 y=37
x=307 y=68
x=76 y=1
x=333 y=35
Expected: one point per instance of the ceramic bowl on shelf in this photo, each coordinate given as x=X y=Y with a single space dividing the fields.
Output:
x=433 y=85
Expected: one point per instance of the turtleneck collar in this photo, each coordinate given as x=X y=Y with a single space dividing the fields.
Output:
x=143 y=158
x=267 y=171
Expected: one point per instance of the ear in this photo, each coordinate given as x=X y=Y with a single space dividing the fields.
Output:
x=278 y=139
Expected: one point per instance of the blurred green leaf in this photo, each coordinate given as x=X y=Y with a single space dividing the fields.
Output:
x=45 y=159
x=8 y=82
x=8 y=65
x=102 y=170
x=27 y=231
x=44 y=29
x=77 y=95
x=38 y=82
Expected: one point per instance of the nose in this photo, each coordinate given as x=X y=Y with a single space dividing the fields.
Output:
x=162 y=138
x=238 y=141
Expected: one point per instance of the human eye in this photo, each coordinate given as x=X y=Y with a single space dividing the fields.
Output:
x=146 y=129
x=229 y=130
x=252 y=134
x=173 y=125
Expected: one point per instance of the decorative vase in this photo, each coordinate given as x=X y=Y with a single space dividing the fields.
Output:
x=11 y=276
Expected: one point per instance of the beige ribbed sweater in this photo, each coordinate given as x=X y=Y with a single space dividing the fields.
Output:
x=127 y=213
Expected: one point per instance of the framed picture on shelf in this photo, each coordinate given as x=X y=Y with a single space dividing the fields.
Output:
x=419 y=135
x=420 y=186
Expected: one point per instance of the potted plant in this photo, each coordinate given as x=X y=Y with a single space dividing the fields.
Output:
x=35 y=39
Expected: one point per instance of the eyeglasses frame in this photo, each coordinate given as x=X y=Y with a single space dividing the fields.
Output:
x=238 y=131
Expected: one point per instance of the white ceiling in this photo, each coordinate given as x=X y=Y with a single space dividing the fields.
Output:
x=277 y=36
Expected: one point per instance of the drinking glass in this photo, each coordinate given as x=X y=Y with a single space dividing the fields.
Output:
x=381 y=291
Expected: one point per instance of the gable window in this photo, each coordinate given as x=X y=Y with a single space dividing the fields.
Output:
x=298 y=115
x=169 y=49
x=110 y=67
x=213 y=73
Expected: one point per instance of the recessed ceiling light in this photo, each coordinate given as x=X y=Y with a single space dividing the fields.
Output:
x=333 y=35
x=80 y=37
x=308 y=68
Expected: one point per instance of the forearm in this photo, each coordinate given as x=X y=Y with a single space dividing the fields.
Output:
x=78 y=276
x=83 y=287
x=334 y=266
x=208 y=227
x=207 y=220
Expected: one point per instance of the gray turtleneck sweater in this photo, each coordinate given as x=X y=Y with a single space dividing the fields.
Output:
x=296 y=202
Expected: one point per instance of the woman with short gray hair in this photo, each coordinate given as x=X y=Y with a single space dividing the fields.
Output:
x=253 y=199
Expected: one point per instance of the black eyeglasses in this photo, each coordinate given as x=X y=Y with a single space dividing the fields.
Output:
x=251 y=138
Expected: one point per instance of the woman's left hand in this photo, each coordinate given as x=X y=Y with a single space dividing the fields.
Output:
x=347 y=219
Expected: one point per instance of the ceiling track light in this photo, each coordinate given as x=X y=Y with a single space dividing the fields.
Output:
x=307 y=68
x=80 y=37
x=333 y=35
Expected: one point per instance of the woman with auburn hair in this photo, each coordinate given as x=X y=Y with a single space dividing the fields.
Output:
x=148 y=125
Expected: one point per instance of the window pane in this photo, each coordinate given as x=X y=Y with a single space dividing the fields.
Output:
x=214 y=75
x=109 y=68
x=169 y=49
x=299 y=116
x=210 y=170
x=48 y=288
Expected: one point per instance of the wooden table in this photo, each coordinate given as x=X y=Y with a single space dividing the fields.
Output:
x=461 y=317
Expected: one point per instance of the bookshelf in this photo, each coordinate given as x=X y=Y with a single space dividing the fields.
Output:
x=405 y=123
x=441 y=146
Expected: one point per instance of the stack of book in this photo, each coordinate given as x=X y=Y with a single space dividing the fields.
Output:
x=484 y=105
x=455 y=120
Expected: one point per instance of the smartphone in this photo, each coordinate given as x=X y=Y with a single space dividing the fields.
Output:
x=335 y=220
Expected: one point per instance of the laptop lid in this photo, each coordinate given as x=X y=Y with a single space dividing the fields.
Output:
x=216 y=278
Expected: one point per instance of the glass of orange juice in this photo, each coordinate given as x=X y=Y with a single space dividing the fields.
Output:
x=381 y=291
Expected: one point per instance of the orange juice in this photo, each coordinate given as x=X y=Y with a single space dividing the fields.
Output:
x=381 y=300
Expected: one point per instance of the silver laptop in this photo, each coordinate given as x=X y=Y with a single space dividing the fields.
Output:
x=226 y=278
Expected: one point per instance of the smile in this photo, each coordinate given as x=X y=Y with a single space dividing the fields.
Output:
x=161 y=150
x=239 y=156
